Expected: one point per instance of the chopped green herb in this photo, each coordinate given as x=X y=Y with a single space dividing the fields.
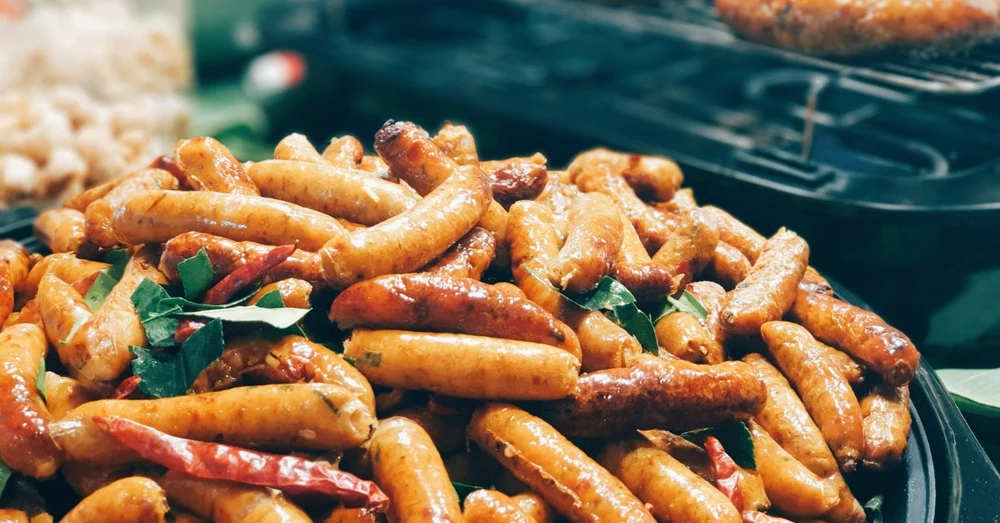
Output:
x=271 y=300
x=149 y=300
x=279 y=318
x=329 y=403
x=99 y=290
x=40 y=379
x=80 y=320
x=184 y=302
x=117 y=257
x=164 y=375
x=686 y=303
x=372 y=359
x=636 y=323
x=735 y=438
x=196 y=274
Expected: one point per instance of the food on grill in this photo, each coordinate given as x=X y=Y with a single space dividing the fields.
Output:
x=235 y=343
x=857 y=27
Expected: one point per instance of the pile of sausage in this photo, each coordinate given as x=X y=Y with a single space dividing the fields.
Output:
x=464 y=360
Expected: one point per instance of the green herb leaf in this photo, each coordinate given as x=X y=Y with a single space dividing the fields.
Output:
x=165 y=375
x=99 y=290
x=371 y=359
x=638 y=324
x=40 y=380
x=463 y=489
x=278 y=318
x=608 y=294
x=184 y=302
x=77 y=323
x=873 y=508
x=271 y=300
x=196 y=274
x=117 y=257
x=4 y=476
x=686 y=303
x=974 y=390
x=735 y=438
x=150 y=301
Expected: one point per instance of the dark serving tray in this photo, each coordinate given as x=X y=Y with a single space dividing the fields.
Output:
x=945 y=476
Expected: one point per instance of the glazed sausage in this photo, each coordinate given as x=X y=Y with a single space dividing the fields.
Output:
x=135 y=499
x=469 y=258
x=64 y=394
x=683 y=335
x=410 y=240
x=656 y=393
x=336 y=191
x=25 y=443
x=712 y=297
x=209 y=166
x=825 y=392
x=297 y=148
x=61 y=230
x=80 y=201
x=63 y=311
x=689 y=249
x=592 y=244
x=228 y=255
x=100 y=214
x=446 y=431
x=158 y=216
x=344 y=151
x=65 y=266
x=351 y=515
x=293 y=291
x=673 y=492
x=791 y=487
x=769 y=289
x=535 y=506
x=9 y=515
x=14 y=268
x=441 y=303
x=559 y=197
x=736 y=233
x=304 y=416
x=229 y=502
x=651 y=177
x=537 y=454
x=458 y=143
x=635 y=270
x=813 y=281
x=288 y=359
x=886 y=412
x=490 y=506
x=729 y=266
x=409 y=469
x=463 y=366
x=845 y=364
x=516 y=178
x=860 y=333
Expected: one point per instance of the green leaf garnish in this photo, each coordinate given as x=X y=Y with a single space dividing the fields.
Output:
x=4 y=476
x=271 y=300
x=165 y=375
x=975 y=390
x=99 y=290
x=686 y=303
x=157 y=316
x=117 y=257
x=735 y=438
x=462 y=490
x=278 y=318
x=184 y=302
x=40 y=381
x=873 y=508
x=196 y=274
x=77 y=323
x=636 y=323
x=608 y=294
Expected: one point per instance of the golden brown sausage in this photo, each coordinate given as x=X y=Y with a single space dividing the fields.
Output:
x=293 y=291
x=64 y=394
x=469 y=258
x=592 y=244
x=228 y=502
x=813 y=281
x=490 y=506
x=845 y=364
x=377 y=167
x=769 y=289
x=689 y=249
x=559 y=197
x=288 y=359
x=344 y=151
x=825 y=392
x=228 y=255
x=63 y=312
x=886 y=412
x=335 y=191
x=736 y=233
x=65 y=266
x=351 y=515
x=516 y=179
x=135 y=499
x=729 y=266
x=158 y=216
x=651 y=177
x=306 y=416
x=463 y=366
x=791 y=487
x=683 y=335
x=100 y=214
x=537 y=454
x=447 y=432
x=712 y=297
x=14 y=268
x=80 y=201
x=296 y=147
x=860 y=333
x=673 y=492
x=458 y=143
x=409 y=469
x=9 y=515
x=25 y=443
x=441 y=303
x=656 y=393
x=61 y=230
x=636 y=270
x=209 y=166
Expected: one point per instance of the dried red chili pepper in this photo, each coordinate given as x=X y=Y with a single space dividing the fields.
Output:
x=187 y=327
x=84 y=284
x=290 y=474
x=127 y=387
x=727 y=474
x=246 y=276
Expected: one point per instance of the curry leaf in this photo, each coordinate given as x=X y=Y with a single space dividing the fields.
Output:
x=638 y=324
x=196 y=274
x=184 y=302
x=608 y=294
x=974 y=390
x=686 y=303
x=278 y=318
x=99 y=290
x=150 y=301
x=735 y=438
x=271 y=300
x=166 y=375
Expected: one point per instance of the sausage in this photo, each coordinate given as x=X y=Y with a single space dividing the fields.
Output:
x=559 y=196
x=490 y=506
x=287 y=359
x=791 y=487
x=824 y=391
x=158 y=216
x=228 y=255
x=463 y=366
x=592 y=244
x=537 y=454
x=441 y=303
x=9 y=515
x=651 y=177
x=63 y=311
x=469 y=258
x=729 y=266
x=843 y=363
x=25 y=443
x=656 y=393
x=813 y=281
x=344 y=151
x=135 y=499
x=689 y=249
x=712 y=297
x=209 y=166
x=516 y=179
x=378 y=168
x=458 y=143
x=736 y=233
x=534 y=245
x=447 y=432
x=293 y=291
x=413 y=239
x=228 y=502
x=683 y=335
x=886 y=412
x=65 y=266
x=61 y=230
x=409 y=469
x=296 y=147
x=100 y=214
x=635 y=270
x=335 y=191
x=64 y=394
x=14 y=268
x=860 y=333
x=535 y=507
x=80 y=201
x=769 y=289
x=307 y=416
x=673 y=492
x=351 y=515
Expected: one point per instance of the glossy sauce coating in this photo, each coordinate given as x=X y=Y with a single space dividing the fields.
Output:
x=712 y=297
x=844 y=364
x=207 y=165
x=729 y=266
x=344 y=151
x=135 y=499
x=229 y=255
x=886 y=412
x=683 y=335
x=592 y=243
x=14 y=268
x=62 y=309
x=535 y=507
x=458 y=143
x=516 y=179
x=100 y=214
x=491 y=506
x=61 y=230
x=689 y=249
x=293 y=292
x=296 y=147
x=736 y=233
x=651 y=177
x=65 y=266
x=791 y=487
x=468 y=258
x=636 y=270
x=228 y=502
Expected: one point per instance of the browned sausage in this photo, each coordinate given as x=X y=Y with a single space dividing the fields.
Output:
x=651 y=177
x=229 y=502
x=209 y=166
x=886 y=413
x=825 y=391
x=61 y=230
x=769 y=289
x=860 y=333
x=729 y=266
x=843 y=363
x=685 y=336
x=813 y=281
x=135 y=499
x=458 y=143
x=636 y=270
x=559 y=196
x=228 y=255
x=469 y=258
x=351 y=515
x=64 y=266
x=791 y=487
x=516 y=178
x=657 y=393
x=296 y=147
x=736 y=233
x=537 y=454
x=442 y=303
x=344 y=151
x=535 y=506
x=80 y=201
x=490 y=506
x=293 y=292
x=63 y=311
x=690 y=248
x=592 y=244
x=9 y=515
x=712 y=297
x=14 y=268
x=446 y=431
x=100 y=213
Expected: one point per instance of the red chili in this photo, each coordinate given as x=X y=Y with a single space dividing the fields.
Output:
x=127 y=387
x=247 y=275
x=187 y=327
x=84 y=284
x=291 y=474
x=727 y=474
